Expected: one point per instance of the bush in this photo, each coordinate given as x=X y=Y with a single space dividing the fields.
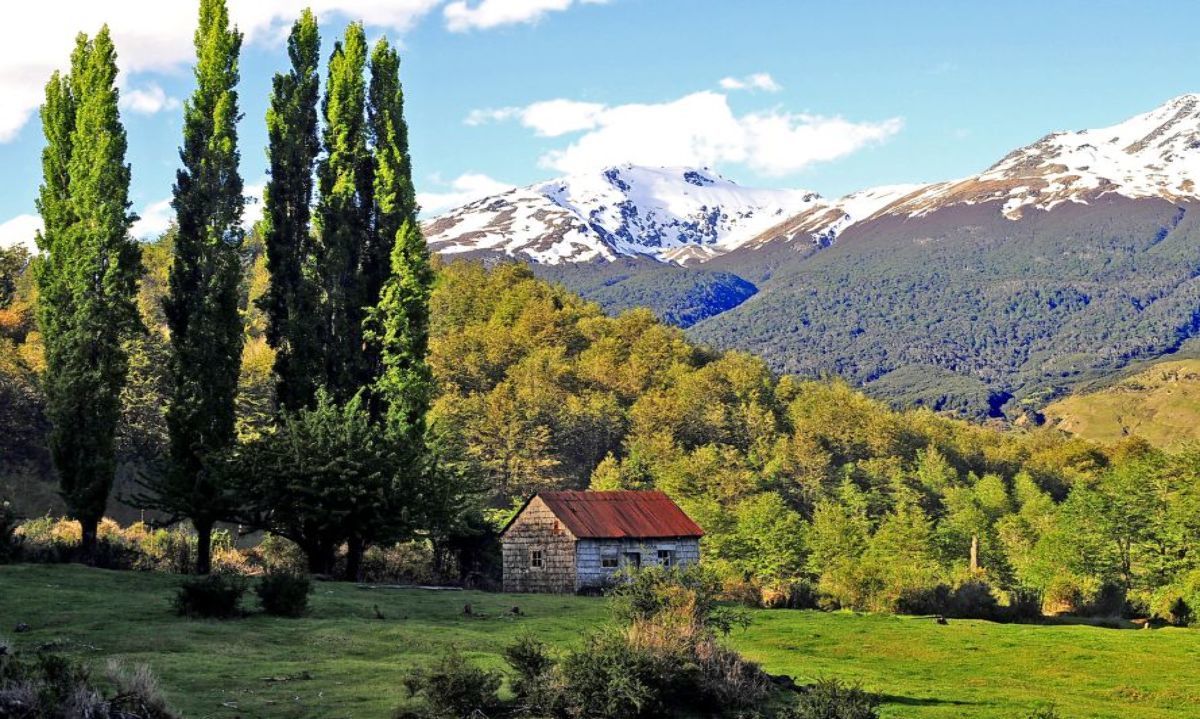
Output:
x=278 y=554
x=453 y=688
x=48 y=686
x=831 y=699
x=283 y=594
x=613 y=678
x=796 y=593
x=654 y=593
x=216 y=596
x=530 y=659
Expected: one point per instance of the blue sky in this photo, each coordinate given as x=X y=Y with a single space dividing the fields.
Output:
x=830 y=96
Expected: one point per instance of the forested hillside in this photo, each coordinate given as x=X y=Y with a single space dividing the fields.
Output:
x=805 y=488
x=1004 y=313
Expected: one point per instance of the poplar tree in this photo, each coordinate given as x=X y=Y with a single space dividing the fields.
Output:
x=202 y=303
x=87 y=276
x=344 y=216
x=398 y=327
x=291 y=301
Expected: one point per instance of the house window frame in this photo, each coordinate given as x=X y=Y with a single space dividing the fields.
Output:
x=610 y=561
x=536 y=559
x=666 y=558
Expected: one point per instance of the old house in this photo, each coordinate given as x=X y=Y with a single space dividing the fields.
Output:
x=568 y=541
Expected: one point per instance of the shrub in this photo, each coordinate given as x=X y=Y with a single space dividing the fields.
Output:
x=831 y=699
x=796 y=593
x=613 y=678
x=407 y=563
x=454 y=688
x=283 y=594
x=215 y=596
x=529 y=658
x=48 y=686
x=1044 y=713
x=688 y=594
x=278 y=554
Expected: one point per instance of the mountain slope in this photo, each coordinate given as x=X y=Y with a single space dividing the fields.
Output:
x=1152 y=155
x=1159 y=403
x=670 y=214
x=1060 y=264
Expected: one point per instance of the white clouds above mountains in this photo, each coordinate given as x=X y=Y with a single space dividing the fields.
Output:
x=758 y=81
x=156 y=36
x=461 y=190
x=699 y=129
x=464 y=15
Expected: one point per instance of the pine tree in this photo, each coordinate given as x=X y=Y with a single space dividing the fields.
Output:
x=87 y=277
x=291 y=301
x=344 y=216
x=202 y=303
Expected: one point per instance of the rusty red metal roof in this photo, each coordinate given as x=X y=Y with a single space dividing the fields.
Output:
x=620 y=515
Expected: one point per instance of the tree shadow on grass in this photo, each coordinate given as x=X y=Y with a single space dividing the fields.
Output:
x=920 y=701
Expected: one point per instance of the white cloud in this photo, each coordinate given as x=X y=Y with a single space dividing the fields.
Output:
x=550 y=118
x=151 y=36
x=253 y=193
x=156 y=217
x=461 y=190
x=153 y=220
x=758 y=81
x=696 y=130
x=463 y=15
x=148 y=100
x=20 y=230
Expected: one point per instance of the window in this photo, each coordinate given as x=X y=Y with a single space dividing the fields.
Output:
x=666 y=557
x=633 y=559
x=535 y=558
x=609 y=561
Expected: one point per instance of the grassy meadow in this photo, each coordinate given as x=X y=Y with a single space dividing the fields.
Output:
x=1160 y=403
x=343 y=661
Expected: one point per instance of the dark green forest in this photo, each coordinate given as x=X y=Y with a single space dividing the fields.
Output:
x=963 y=310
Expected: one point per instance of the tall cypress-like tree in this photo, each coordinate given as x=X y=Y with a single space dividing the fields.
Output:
x=398 y=327
x=87 y=277
x=345 y=177
x=291 y=301
x=202 y=303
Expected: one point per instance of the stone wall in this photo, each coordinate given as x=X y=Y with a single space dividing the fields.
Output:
x=536 y=529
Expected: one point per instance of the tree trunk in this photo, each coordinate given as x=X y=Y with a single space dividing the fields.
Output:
x=89 y=530
x=320 y=557
x=355 y=547
x=204 y=531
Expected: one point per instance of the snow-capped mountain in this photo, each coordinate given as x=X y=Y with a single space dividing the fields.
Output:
x=1155 y=154
x=690 y=216
x=670 y=214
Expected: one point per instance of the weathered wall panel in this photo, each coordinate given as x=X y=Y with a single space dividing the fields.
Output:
x=537 y=529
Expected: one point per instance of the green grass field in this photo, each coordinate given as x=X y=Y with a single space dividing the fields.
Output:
x=341 y=661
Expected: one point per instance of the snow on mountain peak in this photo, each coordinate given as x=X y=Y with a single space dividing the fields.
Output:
x=688 y=215
x=673 y=214
x=1154 y=154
